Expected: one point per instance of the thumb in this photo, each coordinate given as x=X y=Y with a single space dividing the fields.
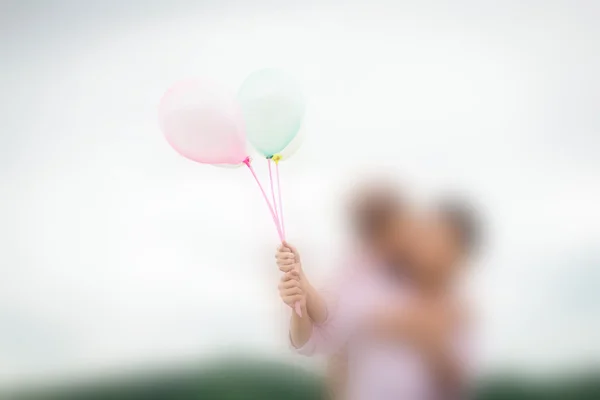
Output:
x=289 y=246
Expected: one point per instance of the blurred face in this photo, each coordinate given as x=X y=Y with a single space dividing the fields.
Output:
x=435 y=249
x=393 y=240
x=381 y=222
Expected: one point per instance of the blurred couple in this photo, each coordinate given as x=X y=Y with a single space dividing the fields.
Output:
x=393 y=321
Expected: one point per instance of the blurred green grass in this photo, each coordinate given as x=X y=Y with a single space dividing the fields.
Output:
x=259 y=380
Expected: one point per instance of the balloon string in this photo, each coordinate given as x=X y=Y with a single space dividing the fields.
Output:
x=273 y=190
x=280 y=202
x=276 y=159
x=297 y=307
x=262 y=190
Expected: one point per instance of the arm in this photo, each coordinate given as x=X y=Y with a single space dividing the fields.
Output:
x=306 y=335
x=316 y=307
x=322 y=328
x=288 y=260
x=301 y=328
x=291 y=292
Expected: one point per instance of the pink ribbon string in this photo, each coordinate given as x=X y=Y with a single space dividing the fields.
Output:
x=262 y=190
x=280 y=202
x=297 y=306
x=273 y=190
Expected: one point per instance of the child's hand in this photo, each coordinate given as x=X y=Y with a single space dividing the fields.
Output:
x=288 y=259
x=294 y=288
x=290 y=289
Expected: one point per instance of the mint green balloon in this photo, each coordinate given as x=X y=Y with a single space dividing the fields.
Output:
x=273 y=108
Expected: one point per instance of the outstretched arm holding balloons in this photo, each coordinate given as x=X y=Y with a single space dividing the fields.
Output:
x=206 y=124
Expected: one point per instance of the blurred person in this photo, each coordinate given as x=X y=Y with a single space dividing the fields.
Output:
x=436 y=320
x=380 y=220
x=394 y=314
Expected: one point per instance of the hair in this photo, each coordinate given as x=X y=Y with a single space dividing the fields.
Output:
x=464 y=221
x=373 y=208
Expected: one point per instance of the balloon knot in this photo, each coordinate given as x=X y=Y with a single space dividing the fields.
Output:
x=247 y=161
x=277 y=158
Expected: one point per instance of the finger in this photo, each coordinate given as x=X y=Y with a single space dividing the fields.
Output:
x=288 y=284
x=289 y=268
x=287 y=261
x=290 y=300
x=293 y=291
x=291 y=275
x=284 y=256
x=290 y=247
x=284 y=293
x=286 y=267
x=283 y=249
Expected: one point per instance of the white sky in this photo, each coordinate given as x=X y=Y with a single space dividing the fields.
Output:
x=116 y=251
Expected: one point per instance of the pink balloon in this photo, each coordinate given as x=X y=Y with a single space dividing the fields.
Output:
x=203 y=122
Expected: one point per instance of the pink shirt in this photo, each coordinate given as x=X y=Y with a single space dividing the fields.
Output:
x=376 y=370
